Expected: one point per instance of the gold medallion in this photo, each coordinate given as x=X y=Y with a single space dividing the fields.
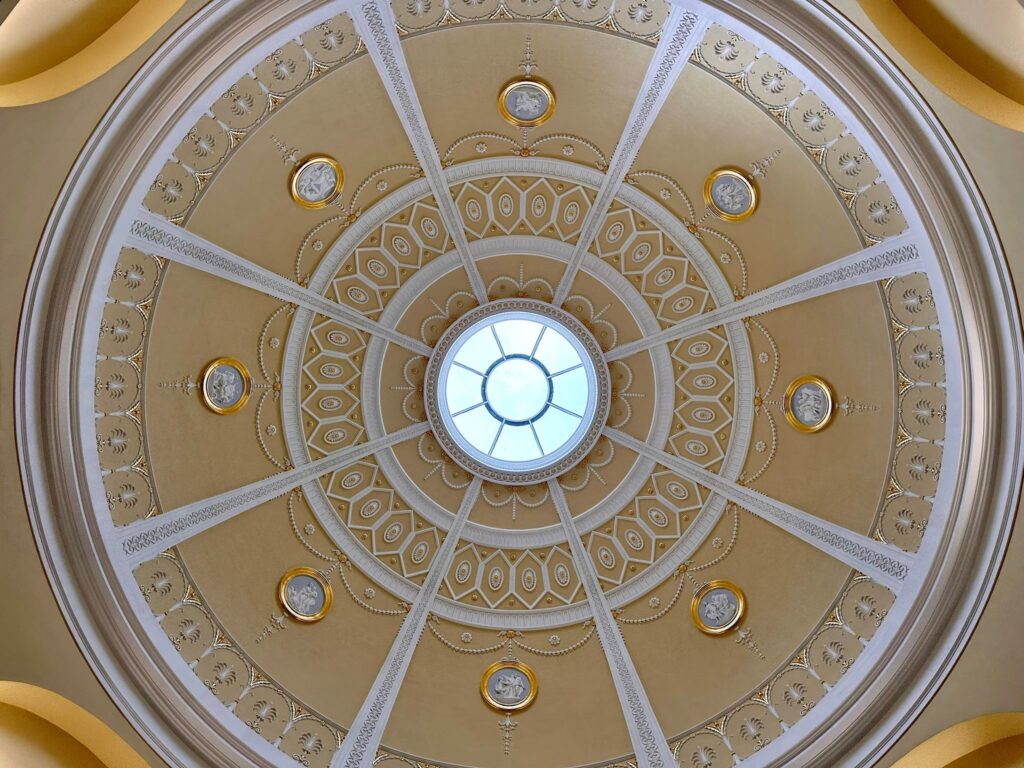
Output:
x=316 y=181
x=225 y=385
x=508 y=686
x=809 y=404
x=731 y=194
x=718 y=607
x=305 y=594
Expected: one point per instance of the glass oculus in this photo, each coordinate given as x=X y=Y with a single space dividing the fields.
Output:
x=517 y=391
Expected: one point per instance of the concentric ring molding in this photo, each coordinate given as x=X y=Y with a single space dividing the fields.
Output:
x=928 y=625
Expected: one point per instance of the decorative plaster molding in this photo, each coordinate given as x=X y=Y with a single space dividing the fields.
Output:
x=153 y=234
x=649 y=743
x=359 y=748
x=147 y=538
x=884 y=563
x=376 y=23
x=897 y=256
x=680 y=35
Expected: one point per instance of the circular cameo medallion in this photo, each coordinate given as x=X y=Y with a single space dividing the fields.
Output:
x=730 y=194
x=316 y=182
x=526 y=102
x=809 y=404
x=225 y=385
x=718 y=607
x=508 y=686
x=305 y=594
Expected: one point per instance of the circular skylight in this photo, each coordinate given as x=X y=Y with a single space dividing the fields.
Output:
x=516 y=389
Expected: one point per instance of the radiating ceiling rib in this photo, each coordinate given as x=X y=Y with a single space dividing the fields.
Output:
x=884 y=563
x=147 y=538
x=649 y=742
x=681 y=33
x=895 y=256
x=152 y=234
x=375 y=22
x=359 y=749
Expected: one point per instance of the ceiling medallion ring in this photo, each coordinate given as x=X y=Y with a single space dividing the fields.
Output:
x=477 y=461
x=526 y=101
x=316 y=181
x=731 y=194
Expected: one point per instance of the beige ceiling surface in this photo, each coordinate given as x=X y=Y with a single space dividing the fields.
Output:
x=689 y=677
x=458 y=72
x=330 y=666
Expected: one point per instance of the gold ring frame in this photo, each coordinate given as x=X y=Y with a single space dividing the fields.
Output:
x=741 y=607
x=507 y=664
x=239 y=366
x=830 y=395
x=306 y=162
x=318 y=577
x=740 y=175
x=540 y=119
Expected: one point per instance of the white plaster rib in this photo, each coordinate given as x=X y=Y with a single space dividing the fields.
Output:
x=884 y=563
x=649 y=742
x=152 y=234
x=895 y=256
x=359 y=748
x=376 y=24
x=681 y=33
x=147 y=538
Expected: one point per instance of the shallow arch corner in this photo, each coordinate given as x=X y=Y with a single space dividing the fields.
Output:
x=990 y=741
x=940 y=46
x=49 y=48
x=35 y=721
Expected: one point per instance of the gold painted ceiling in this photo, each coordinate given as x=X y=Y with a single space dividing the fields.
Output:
x=671 y=497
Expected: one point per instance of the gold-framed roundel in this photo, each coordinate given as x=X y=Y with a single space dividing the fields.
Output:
x=809 y=404
x=718 y=607
x=305 y=594
x=316 y=181
x=508 y=686
x=731 y=194
x=526 y=102
x=225 y=385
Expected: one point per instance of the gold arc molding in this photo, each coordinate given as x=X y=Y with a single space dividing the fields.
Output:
x=82 y=726
x=963 y=740
x=109 y=48
x=965 y=88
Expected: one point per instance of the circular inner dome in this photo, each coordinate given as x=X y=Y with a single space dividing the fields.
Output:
x=517 y=390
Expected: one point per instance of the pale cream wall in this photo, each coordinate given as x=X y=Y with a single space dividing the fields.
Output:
x=37 y=147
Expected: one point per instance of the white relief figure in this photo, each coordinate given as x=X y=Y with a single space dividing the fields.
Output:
x=316 y=182
x=527 y=103
x=730 y=195
x=305 y=598
x=719 y=607
x=810 y=405
x=225 y=386
x=510 y=687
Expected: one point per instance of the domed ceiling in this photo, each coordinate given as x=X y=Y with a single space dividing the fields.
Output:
x=692 y=494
